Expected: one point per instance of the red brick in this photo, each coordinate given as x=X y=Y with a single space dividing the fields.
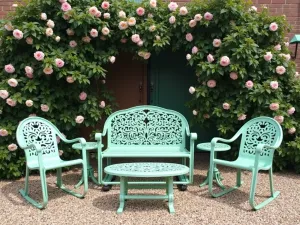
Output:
x=278 y=2
x=264 y=1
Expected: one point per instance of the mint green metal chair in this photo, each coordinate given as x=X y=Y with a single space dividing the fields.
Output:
x=37 y=136
x=260 y=137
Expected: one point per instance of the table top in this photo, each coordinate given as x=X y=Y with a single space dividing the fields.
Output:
x=89 y=146
x=146 y=169
x=218 y=147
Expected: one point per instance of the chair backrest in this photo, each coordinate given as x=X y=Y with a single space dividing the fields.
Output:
x=146 y=125
x=260 y=130
x=40 y=131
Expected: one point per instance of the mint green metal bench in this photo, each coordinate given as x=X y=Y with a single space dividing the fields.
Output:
x=260 y=137
x=146 y=132
x=37 y=136
x=166 y=170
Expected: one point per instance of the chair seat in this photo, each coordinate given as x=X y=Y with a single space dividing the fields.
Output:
x=146 y=151
x=243 y=163
x=53 y=163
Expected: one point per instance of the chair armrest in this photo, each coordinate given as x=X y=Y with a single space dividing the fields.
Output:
x=81 y=140
x=98 y=136
x=260 y=148
x=39 y=149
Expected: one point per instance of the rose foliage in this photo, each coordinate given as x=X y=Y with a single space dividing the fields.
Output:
x=53 y=54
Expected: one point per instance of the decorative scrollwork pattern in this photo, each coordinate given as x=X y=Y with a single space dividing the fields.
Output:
x=39 y=133
x=146 y=167
x=147 y=127
x=261 y=132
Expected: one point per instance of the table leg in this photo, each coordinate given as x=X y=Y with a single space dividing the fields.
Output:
x=170 y=194
x=123 y=190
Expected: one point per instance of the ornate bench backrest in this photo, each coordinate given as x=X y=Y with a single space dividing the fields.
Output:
x=146 y=125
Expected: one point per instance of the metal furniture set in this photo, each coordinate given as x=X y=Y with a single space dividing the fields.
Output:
x=148 y=132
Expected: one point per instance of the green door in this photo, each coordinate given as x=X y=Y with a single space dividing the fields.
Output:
x=169 y=79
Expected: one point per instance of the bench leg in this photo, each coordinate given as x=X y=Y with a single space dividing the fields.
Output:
x=123 y=192
x=170 y=194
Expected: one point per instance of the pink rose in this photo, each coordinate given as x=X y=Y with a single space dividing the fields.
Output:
x=140 y=11
x=135 y=38
x=206 y=116
x=98 y=14
x=29 y=75
x=277 y=47
x=131 y=21
x=192 y=23
x=192 y=90
x=291 y=110
x=11 y=102
x=105 y=5
x=198 y=17
x=70 y=79
x=29 y=40
x=153 y=3
x=86 y=39
x=189 y=37
x=105 y=31
x=123 y=25
x=73 y=44
x=82 y=96
x=59 y=63
x=147 y=55
x=225 y=61
x=94 y=33
x=48 y=70
x=12 y=82
x=274 y=85
x=62 y=1
x=226 y=106
x=123 y=40
x=249 y=84
x=208 y=16
x=9 y=68
x=3 y=132
x=8 y=26
x=102 y=37
x=292 y=130
x=79 y=119
x=280 y=70
x=12 y=147
x=140 y=43
x=279 y=119
x=268 y=56
x=57 y=139
x=112 y=59
x=18 y=34
x=102 y=104
x=38 y=55
x=233 y=75
x=211 y=83
x=183 y=11
x=66 y=7
x=66 y=17
x=217 y=43
x=60 y=152
x=28 y=70
x=44 y=107
x=70 y=32
x=195 y=112
x=93 y=10
x=195 y=50
x=274 y=106
x=172 y=6
x=242 y=117
x=210 y=58
x=49 y=32
x=4 y=94
x=29 y=103
x=273 y=26
x=297 y=75
x=188 y=56
x=172 y=20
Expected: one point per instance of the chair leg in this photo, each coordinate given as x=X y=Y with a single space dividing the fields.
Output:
x=62 y=187
x=24 y=192
x=253 y=190
x=227 y=190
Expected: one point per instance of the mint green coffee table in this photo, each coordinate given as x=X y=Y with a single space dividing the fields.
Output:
x=90 y=170
x=146 y=169
x=216 y=174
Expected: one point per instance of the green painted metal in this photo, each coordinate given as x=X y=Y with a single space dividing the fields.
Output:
x=170 y=78
x=146 y=131
x=90 y=171
x=260 y=137
x=295 y=39
x=216 y=173
x=37 y=136
x=167 y=170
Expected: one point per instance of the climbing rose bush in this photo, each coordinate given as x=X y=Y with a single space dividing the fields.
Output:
x=53 y=54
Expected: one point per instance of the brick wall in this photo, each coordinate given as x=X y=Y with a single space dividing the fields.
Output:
x=290 y=8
